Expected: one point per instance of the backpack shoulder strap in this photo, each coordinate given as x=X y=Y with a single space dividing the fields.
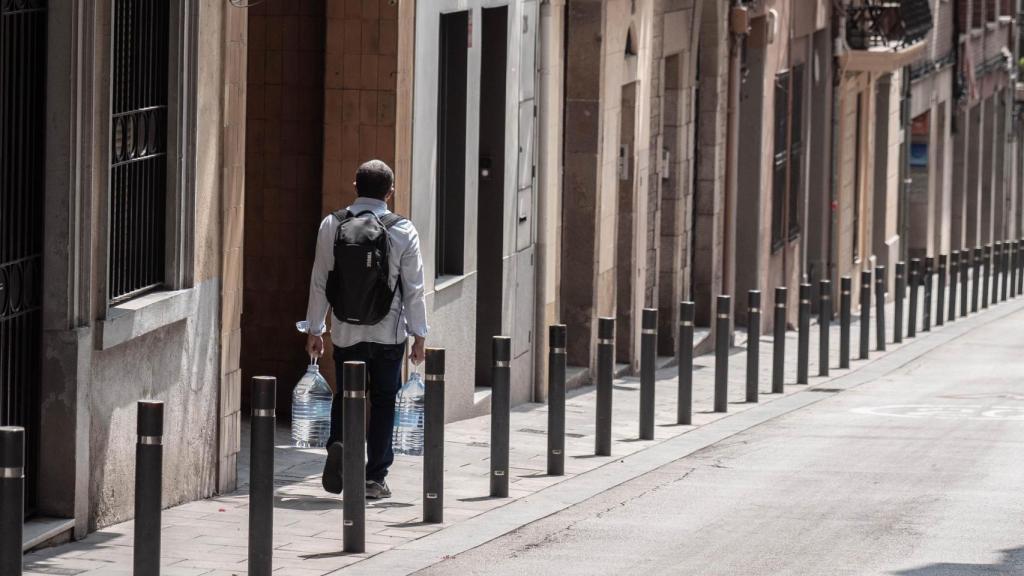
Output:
x=390 y=219
x=342 y=214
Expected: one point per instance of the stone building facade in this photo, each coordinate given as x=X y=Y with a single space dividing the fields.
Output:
x=120 y=258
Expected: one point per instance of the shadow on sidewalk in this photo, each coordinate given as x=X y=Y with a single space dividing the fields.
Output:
x=1012 y=563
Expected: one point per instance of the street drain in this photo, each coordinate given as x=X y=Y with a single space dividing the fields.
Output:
x=825 y=390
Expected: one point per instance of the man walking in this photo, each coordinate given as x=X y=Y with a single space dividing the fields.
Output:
x=369 y=271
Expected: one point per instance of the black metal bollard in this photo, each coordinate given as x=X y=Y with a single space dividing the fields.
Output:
x=261 y=475
x=1014 y=266
x=501 y=414
x=965 y=277
x=353 y=513
x=149 y=461
x=940 y=300
x=1005 y=271
x=976 y=280
x=12 y=498
x=926 y=312
x=845 y=302
x=753 y=343
x=605 y=365
x=915 y=281
x=901 y=292
x=684 y=397
x=824 y=324
x=724 y=307
x=556 y=399
x=954 y=282
x=648 y=357
x=880 y=308
x=865 y=313
x=779 y=341
x=986 y=267
x=433 y=435
x=1020 y=267
x=803 y=342
x=996 y=265
x=1011 y=268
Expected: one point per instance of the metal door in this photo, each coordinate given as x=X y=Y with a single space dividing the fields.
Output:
x=22 y=130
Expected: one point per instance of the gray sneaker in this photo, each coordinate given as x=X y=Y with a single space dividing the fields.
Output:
x=332 y=479
x=377 y=490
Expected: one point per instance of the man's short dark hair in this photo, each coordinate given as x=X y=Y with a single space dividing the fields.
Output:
x=374 y=179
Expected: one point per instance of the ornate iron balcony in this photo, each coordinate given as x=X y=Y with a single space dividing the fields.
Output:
x=887 y=24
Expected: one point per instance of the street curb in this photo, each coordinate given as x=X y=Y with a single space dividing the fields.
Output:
x=424 y=552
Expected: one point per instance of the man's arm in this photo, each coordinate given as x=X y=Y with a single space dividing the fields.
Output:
x=316 y=310
x=412 y=296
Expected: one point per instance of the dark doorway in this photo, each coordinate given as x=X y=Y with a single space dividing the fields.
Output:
x=491 y=190
x=22 y=149
x=451 y=144
x=625 y=256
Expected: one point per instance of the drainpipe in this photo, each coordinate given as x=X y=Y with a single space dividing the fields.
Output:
x=838 y=50
x=738 y=27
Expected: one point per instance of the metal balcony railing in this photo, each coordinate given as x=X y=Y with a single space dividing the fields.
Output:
x=887 y=24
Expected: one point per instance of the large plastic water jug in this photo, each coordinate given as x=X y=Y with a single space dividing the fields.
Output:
x=408 y=435
x=311 y=409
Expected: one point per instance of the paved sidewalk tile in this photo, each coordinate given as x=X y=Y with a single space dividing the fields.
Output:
x=209 y=537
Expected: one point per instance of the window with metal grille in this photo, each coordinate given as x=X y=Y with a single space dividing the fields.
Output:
x=780 y=164
x=787 y=166
x=138 y=147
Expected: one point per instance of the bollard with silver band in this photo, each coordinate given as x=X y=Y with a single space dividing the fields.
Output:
x=605 y=365
x=648 y=358
x=803 y=341
x=898 y=298
x=12 y=498
x=261 y=475
x=915 y=282
x=556 y=399
x=684 y=398
x=988 y=251
x=753 y=343
x=880 y=308
x=926 y=312
x=149 y=458
x=965 y=278
x=824 y=325
x=779 y=341
x=723 y=308
x=995 y=265
x=976 y=279
x=940 y=292
x=1011 y=268
x=433 y=436
x=501 y=414
x=1005 y=271
x=953 y=285
x=865 y=313
x=845 y=303
x=354 y=458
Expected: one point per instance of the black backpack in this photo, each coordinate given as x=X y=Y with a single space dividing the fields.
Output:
x=358 y=287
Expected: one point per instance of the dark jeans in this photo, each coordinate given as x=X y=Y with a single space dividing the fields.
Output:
x=383 y=380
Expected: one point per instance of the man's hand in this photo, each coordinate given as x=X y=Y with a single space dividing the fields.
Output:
x=315 y=346
x=418 y=352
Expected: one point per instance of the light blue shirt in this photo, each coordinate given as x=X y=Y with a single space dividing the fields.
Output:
x=408 y=313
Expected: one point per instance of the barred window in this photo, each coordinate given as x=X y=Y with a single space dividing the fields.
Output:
x=138 y=147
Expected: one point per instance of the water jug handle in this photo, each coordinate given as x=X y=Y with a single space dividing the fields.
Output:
x=314 y=361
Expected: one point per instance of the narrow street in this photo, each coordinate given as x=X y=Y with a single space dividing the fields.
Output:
x=914 y=473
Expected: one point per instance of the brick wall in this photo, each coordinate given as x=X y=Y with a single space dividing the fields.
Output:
x=282 y=182
x=359 y=92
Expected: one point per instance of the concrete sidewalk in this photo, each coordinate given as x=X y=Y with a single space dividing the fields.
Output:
x=209 y=537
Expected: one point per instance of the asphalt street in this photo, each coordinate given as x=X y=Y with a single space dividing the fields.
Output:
x=919 y=472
